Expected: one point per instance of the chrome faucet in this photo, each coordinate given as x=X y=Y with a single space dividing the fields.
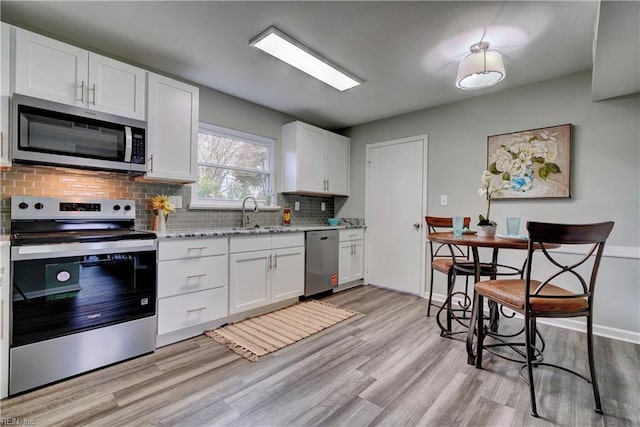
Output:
x=245 y=219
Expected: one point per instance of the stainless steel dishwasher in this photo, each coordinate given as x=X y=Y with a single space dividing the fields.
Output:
x=321 y=266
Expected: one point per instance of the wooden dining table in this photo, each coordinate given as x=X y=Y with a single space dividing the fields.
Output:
x=473 y=241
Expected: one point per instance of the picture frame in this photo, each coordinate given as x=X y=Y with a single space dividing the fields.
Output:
x=536 y=162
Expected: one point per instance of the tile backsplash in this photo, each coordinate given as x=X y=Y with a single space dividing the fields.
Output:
x=62 y=182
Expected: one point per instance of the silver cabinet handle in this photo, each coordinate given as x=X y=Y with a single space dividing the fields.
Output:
x=94 y=94
x=197 y=248
x=82 y=92
x=327 y=185
x=275 y=261
x=270 y=259
x=194 y=276
x=151 y=163
x=191 y=310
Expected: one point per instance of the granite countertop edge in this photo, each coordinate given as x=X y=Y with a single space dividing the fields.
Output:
x=236 y=231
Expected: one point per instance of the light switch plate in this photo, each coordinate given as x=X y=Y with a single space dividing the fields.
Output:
x=177 y=201
x=443 y=200
x=296 y=206
x=323 y=207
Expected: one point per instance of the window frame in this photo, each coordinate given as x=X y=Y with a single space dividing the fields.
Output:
x=224 y=132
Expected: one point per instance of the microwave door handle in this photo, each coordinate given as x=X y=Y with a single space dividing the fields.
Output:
x=128 y=144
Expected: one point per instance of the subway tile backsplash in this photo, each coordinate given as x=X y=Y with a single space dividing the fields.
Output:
x=61 y=182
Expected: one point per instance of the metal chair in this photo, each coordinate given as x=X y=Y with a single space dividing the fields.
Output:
x=542 y=298
x=443 y=258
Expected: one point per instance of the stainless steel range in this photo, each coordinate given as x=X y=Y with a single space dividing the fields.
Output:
x=84 y=288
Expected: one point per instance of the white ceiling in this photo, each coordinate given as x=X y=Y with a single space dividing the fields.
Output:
x=406 y=52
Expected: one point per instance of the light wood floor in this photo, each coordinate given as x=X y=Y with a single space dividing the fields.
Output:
x=387 y=367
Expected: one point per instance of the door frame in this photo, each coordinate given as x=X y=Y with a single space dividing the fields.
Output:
x=423 y=239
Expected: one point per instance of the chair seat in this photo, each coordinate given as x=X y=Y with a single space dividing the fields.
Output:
x=443 y=265
x=511 y=293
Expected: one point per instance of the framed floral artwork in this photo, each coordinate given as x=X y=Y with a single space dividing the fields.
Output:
x=536 y=163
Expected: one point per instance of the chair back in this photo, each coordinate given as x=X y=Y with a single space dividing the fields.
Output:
x=436 y=224
x=582 y=271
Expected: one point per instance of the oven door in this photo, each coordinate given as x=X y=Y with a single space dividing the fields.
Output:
x=60 y=289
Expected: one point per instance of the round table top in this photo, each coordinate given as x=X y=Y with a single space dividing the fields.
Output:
x=484 y=242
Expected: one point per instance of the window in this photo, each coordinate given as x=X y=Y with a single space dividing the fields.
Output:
x=231 y=166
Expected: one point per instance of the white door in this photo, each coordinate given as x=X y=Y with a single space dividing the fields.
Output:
x=173 y=114
x=287 y=274
x=50 y=69
x=116 y=87
x=394 y=212
x=335 y=162
x=249 y=281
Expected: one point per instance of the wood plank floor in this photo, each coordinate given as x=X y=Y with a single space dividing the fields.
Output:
x=387 y=367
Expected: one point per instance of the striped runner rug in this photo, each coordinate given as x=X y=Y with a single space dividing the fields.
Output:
x=264 y=334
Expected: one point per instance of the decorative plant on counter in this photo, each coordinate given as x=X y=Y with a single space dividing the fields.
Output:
x=162 y=207
x=489 y=190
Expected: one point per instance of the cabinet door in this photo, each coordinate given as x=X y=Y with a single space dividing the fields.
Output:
x=5 y=160
x=356 y=266
x=183 y=311
x=287 y=274
x=50 y=69
x=249 y=280
x=116 y=87
x=336 y=164
x=344 y=264
x=173 y=111
x=309 y=150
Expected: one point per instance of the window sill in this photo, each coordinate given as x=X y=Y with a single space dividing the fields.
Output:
x=231 y=206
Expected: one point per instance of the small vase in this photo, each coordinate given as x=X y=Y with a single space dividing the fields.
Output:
x=162 y=223
x=486 y=230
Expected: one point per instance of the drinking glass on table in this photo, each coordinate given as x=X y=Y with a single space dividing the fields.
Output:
x=513 y=226
x=458 y=224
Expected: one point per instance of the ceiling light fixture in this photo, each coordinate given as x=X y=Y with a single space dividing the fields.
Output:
x=294 y=53
x=481 y=68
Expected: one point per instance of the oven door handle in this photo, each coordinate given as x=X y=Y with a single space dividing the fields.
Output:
x=60 y=250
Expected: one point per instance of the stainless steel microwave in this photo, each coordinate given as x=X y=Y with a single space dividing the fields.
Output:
x=50 y=133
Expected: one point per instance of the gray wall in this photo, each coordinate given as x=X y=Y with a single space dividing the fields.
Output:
x=605 y=169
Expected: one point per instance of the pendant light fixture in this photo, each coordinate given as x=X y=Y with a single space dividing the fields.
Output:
x=481 y=68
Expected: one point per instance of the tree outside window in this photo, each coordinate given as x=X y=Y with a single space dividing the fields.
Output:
x=233 y=165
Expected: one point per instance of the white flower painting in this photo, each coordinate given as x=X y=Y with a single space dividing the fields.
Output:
x=535 y=163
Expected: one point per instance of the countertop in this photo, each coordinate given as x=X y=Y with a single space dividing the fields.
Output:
x=237 y=231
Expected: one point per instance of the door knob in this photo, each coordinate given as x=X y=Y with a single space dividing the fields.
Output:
x=416 y=225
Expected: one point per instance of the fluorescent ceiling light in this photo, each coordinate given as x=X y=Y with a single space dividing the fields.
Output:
x=276 y=43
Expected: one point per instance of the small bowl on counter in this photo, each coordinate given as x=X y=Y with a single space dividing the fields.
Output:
x=333 y=221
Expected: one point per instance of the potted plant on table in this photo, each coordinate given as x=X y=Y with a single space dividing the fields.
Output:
x=487 y=227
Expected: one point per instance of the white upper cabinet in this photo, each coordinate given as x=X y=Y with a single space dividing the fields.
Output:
x=5 y=159
x=172 y=129
x=314 y=160
x=56 y=71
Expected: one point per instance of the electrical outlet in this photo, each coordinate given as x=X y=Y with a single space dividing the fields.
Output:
x=443 y=200
x=296 y=206
x=177 y=201
x=323 y=207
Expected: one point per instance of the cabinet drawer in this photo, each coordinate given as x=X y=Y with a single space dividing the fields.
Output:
x=287 y=240
x=193 y=274
x=183 y=311
x=191 y=248
x=351 y=234
x=249 y=243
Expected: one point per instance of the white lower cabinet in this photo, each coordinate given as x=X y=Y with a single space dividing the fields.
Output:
x=261 y=277
x=4 y=320
x=193 y=287
x=351 y=264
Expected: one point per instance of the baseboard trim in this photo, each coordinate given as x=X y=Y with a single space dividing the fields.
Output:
x=574 y=325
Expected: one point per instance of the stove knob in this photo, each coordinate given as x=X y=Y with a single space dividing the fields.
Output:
x=116 y=207
x=23 y=205
x=38 y=205
x=127 y=208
